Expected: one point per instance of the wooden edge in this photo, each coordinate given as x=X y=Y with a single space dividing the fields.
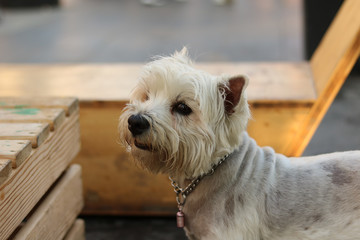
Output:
x=23 y=155
x=36 y=140
x=73 y=107
x=15 y=150
x=70 y=104
x=26 y=186
x=5 y=170
x=272 y=104
x=42 y=136
x=56 y=212
x=77 y=231
x=72 y=80
x=53 y=116
x=59 y=119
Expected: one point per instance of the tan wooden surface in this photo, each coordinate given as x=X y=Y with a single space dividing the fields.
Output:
x=77 y=231
x=15 y=150
x=5 y=170
x=36 y=133
x=331 y=63
x=56 y=213
x=69 y=104
x=36 y=174
x=114 y=82
x=54 y=117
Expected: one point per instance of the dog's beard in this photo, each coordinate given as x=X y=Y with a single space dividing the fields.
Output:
x=154 y=150
x=186 y=150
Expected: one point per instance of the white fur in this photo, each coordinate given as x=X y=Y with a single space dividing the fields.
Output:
x=255 y=194
x=191 y=144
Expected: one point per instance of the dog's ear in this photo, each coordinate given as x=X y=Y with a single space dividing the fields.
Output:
x=232 y=91
x=182 y=55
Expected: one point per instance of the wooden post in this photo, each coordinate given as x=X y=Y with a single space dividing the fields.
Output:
x=331 y=64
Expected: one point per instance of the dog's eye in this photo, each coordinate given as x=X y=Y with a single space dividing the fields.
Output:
x=144 y=97
x=182 y=109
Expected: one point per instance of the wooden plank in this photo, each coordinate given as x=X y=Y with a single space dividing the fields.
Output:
x=114 y=82
x=54 y=117
x=68 y=104
x=55 y=214
x=339 y=48
x=36 y=133
x=15 y=150
x=276 y=81
x=34 y=177
x=331 y=64
x=77 y=231
x=5 y=170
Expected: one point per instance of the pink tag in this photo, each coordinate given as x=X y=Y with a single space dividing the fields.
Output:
x=180 y=219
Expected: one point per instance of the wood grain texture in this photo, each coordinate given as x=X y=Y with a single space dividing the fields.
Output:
x=15 y=150
x=331 y=64
x=34 y=177
x=69 y=104
x=56 y=213
x=54 y=117
x=5 y=170
x=77 y=231
x=36 y=133
x=114 y=82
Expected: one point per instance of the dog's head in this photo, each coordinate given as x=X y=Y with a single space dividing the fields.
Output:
x=181 y=120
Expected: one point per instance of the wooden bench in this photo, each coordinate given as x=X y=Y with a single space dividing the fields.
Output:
x=288 y=101
x=40 y=196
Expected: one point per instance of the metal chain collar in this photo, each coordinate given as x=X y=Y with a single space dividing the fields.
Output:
x=181 y=194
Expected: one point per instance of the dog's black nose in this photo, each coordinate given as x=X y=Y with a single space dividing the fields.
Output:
x=138 y=124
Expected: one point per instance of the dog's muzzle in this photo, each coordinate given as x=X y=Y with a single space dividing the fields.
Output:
x=138 y=124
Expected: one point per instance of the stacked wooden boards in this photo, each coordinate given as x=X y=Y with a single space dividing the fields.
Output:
x=288 y=101
x=40 y=195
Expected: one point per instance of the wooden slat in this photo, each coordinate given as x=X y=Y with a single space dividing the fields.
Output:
x=68 y=104
x=77 y=231
x=114 y=82
x=55 y=214
x=36 y=133
x=5 y=170
x=331 y=63
x=15 y=150
x=34 y=177
x=54 y=117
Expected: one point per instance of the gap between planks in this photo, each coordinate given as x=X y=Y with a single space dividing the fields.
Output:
x=58 y=209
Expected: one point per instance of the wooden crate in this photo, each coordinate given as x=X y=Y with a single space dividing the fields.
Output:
x=288 y=101
x=37 y=143
x=55 y=214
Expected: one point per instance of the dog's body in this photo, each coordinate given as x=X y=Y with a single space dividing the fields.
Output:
x=258 y=194
x=181 y=121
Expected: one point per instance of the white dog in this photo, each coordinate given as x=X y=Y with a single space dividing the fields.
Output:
x=192 y=126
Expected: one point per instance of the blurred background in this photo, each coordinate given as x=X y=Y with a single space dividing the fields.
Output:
x=111 y=31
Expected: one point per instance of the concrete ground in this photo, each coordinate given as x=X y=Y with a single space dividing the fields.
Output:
x=127 y=31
